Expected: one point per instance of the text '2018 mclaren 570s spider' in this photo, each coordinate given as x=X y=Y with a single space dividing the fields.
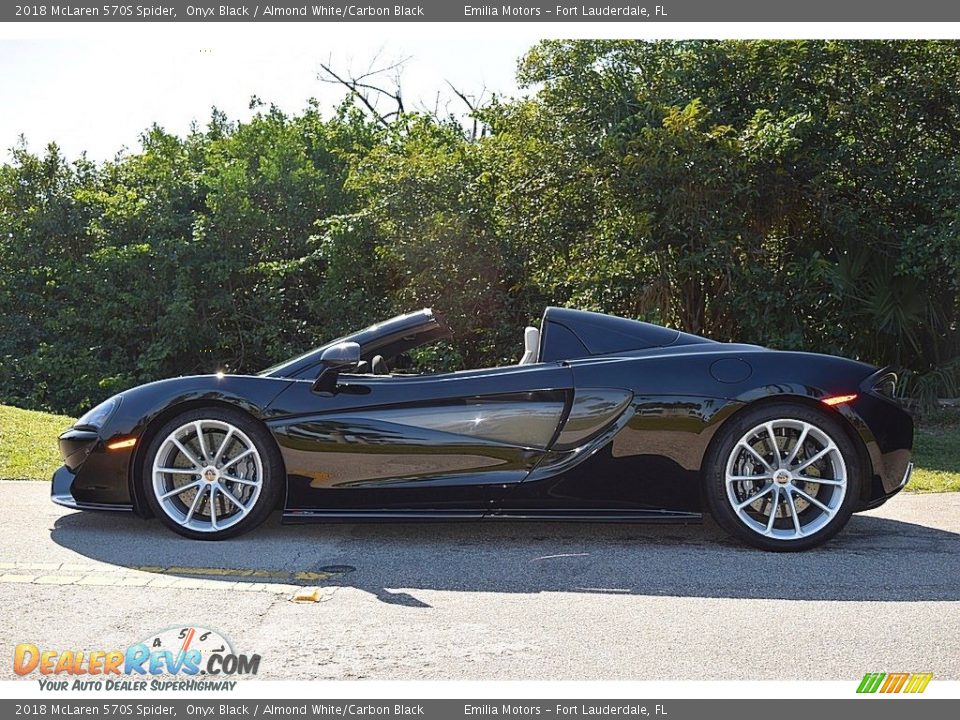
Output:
x=603 y=419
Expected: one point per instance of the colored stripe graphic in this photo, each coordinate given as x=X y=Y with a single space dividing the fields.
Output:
x=870 y=682
x=918 y=683
x=894 y=682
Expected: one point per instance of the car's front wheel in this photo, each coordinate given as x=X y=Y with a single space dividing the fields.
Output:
x=212 y=473
x=783 y=477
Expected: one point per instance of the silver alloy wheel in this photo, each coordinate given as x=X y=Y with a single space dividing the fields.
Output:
x=786 y=479
x=207 y=475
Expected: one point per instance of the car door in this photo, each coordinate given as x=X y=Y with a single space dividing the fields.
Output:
x=447 y=443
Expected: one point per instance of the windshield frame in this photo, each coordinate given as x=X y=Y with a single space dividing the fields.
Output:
x=389 y=338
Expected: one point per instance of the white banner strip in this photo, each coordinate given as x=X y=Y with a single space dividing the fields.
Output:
x=373 y=690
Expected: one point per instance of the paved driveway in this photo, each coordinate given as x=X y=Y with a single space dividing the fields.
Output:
x=496 y=601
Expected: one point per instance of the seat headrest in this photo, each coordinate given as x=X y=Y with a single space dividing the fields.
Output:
x=531 y=345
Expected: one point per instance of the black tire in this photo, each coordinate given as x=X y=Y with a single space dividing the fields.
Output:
x=272 y=473
x=744 y=526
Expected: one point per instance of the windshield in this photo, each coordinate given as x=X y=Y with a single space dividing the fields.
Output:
x=388 y=338
x=278 y=367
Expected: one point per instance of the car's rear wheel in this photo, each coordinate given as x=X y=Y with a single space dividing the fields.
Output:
x=783 y=477
x=212 y=473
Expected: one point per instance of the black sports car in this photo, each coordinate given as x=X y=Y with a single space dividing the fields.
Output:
x=602 y=419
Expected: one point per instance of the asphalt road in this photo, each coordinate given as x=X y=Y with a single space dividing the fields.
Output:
x=496 y=600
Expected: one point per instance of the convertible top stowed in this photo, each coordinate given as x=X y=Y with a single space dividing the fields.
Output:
x=570 y=334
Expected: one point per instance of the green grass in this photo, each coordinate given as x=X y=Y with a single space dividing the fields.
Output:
x=28 y=448
x=28 y=443
x=936 y=453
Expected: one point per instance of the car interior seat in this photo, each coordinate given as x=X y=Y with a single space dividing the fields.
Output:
x=378 y=366
x=531 y=346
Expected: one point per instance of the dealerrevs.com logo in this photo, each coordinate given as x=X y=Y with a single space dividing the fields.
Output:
x=887 y=683
x=176 y=658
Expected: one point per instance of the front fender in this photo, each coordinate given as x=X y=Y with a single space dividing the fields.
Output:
x=113 y=474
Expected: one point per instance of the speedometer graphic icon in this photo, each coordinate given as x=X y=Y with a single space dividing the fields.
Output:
x=182 y=638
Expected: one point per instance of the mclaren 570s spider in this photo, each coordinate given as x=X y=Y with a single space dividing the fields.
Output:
x=603 y=419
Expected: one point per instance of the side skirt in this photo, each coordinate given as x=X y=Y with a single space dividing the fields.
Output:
x=306 y=516
x=609 y=516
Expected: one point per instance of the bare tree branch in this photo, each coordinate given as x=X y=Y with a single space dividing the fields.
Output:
x=467 y=100
x=367 y=92
x=473 y=105
x=368 y=89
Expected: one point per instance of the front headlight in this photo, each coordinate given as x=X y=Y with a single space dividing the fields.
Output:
x=96 y=417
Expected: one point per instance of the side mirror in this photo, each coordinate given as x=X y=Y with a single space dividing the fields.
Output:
x=340 y=356
x=334 y=359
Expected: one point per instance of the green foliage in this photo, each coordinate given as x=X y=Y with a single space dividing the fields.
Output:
x=216 y=251
x=789 y=191
x=801 y=194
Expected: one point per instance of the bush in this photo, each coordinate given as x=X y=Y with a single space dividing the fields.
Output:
x=794 y=194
